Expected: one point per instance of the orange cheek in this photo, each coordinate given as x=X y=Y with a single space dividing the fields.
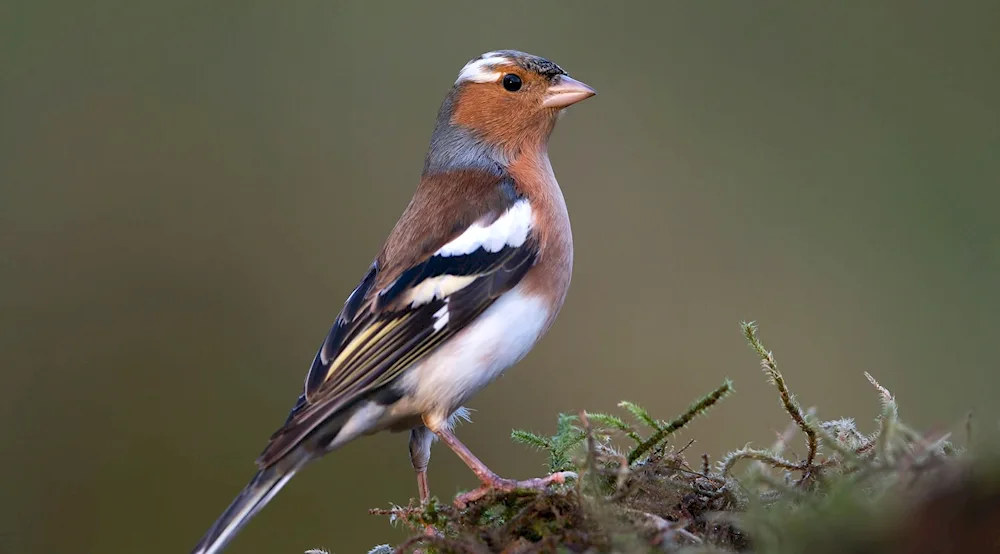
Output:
x=476 y=109
x=499 y=118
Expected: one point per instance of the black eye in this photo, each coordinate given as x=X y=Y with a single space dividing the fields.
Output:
x=512 y=82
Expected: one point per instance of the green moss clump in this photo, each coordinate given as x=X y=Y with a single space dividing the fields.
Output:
x=892 y=490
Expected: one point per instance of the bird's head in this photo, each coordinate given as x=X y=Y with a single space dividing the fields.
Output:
x=503 y=102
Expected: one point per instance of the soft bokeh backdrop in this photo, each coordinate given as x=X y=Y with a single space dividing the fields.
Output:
x=190 y=190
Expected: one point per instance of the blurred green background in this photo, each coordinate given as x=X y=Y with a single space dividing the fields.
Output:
x=190 y=191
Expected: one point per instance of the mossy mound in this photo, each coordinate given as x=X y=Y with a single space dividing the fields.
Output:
x=894 y=490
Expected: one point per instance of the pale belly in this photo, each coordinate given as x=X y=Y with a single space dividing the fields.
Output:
x=441 y=383
x=499 y=338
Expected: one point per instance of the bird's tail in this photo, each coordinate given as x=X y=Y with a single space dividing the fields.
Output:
x=255 y=496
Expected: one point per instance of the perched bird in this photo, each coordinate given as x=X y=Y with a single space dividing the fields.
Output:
x=471 y=276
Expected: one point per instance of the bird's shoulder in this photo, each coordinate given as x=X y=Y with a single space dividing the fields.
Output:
x=444 y=206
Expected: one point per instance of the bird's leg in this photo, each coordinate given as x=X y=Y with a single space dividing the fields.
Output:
x=422 y=488
x=491 y=481
x=420 y=456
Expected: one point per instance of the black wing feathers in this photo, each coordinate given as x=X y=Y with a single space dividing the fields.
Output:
x=477 y=262
x=326 y=354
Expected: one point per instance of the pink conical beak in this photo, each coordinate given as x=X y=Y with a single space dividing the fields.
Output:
x=566 y=92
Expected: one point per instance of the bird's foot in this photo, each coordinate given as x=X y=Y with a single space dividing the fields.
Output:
x=494 y=483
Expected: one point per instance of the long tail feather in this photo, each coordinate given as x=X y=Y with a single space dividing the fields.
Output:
x=255 y=495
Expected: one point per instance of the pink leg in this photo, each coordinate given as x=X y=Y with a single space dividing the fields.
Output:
x=425 y=495
x=420 y=456
x=422 y=488
x=490 y=480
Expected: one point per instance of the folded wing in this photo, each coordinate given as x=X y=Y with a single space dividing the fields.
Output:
x=382 y=331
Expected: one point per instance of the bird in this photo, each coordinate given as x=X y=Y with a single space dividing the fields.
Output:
x=469 y=279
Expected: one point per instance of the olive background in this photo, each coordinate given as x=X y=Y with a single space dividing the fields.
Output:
x=189 y=191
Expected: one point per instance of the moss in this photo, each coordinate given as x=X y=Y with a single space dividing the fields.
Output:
x=893 y=490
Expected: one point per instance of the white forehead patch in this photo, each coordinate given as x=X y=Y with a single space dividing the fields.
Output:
x=481 y=70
